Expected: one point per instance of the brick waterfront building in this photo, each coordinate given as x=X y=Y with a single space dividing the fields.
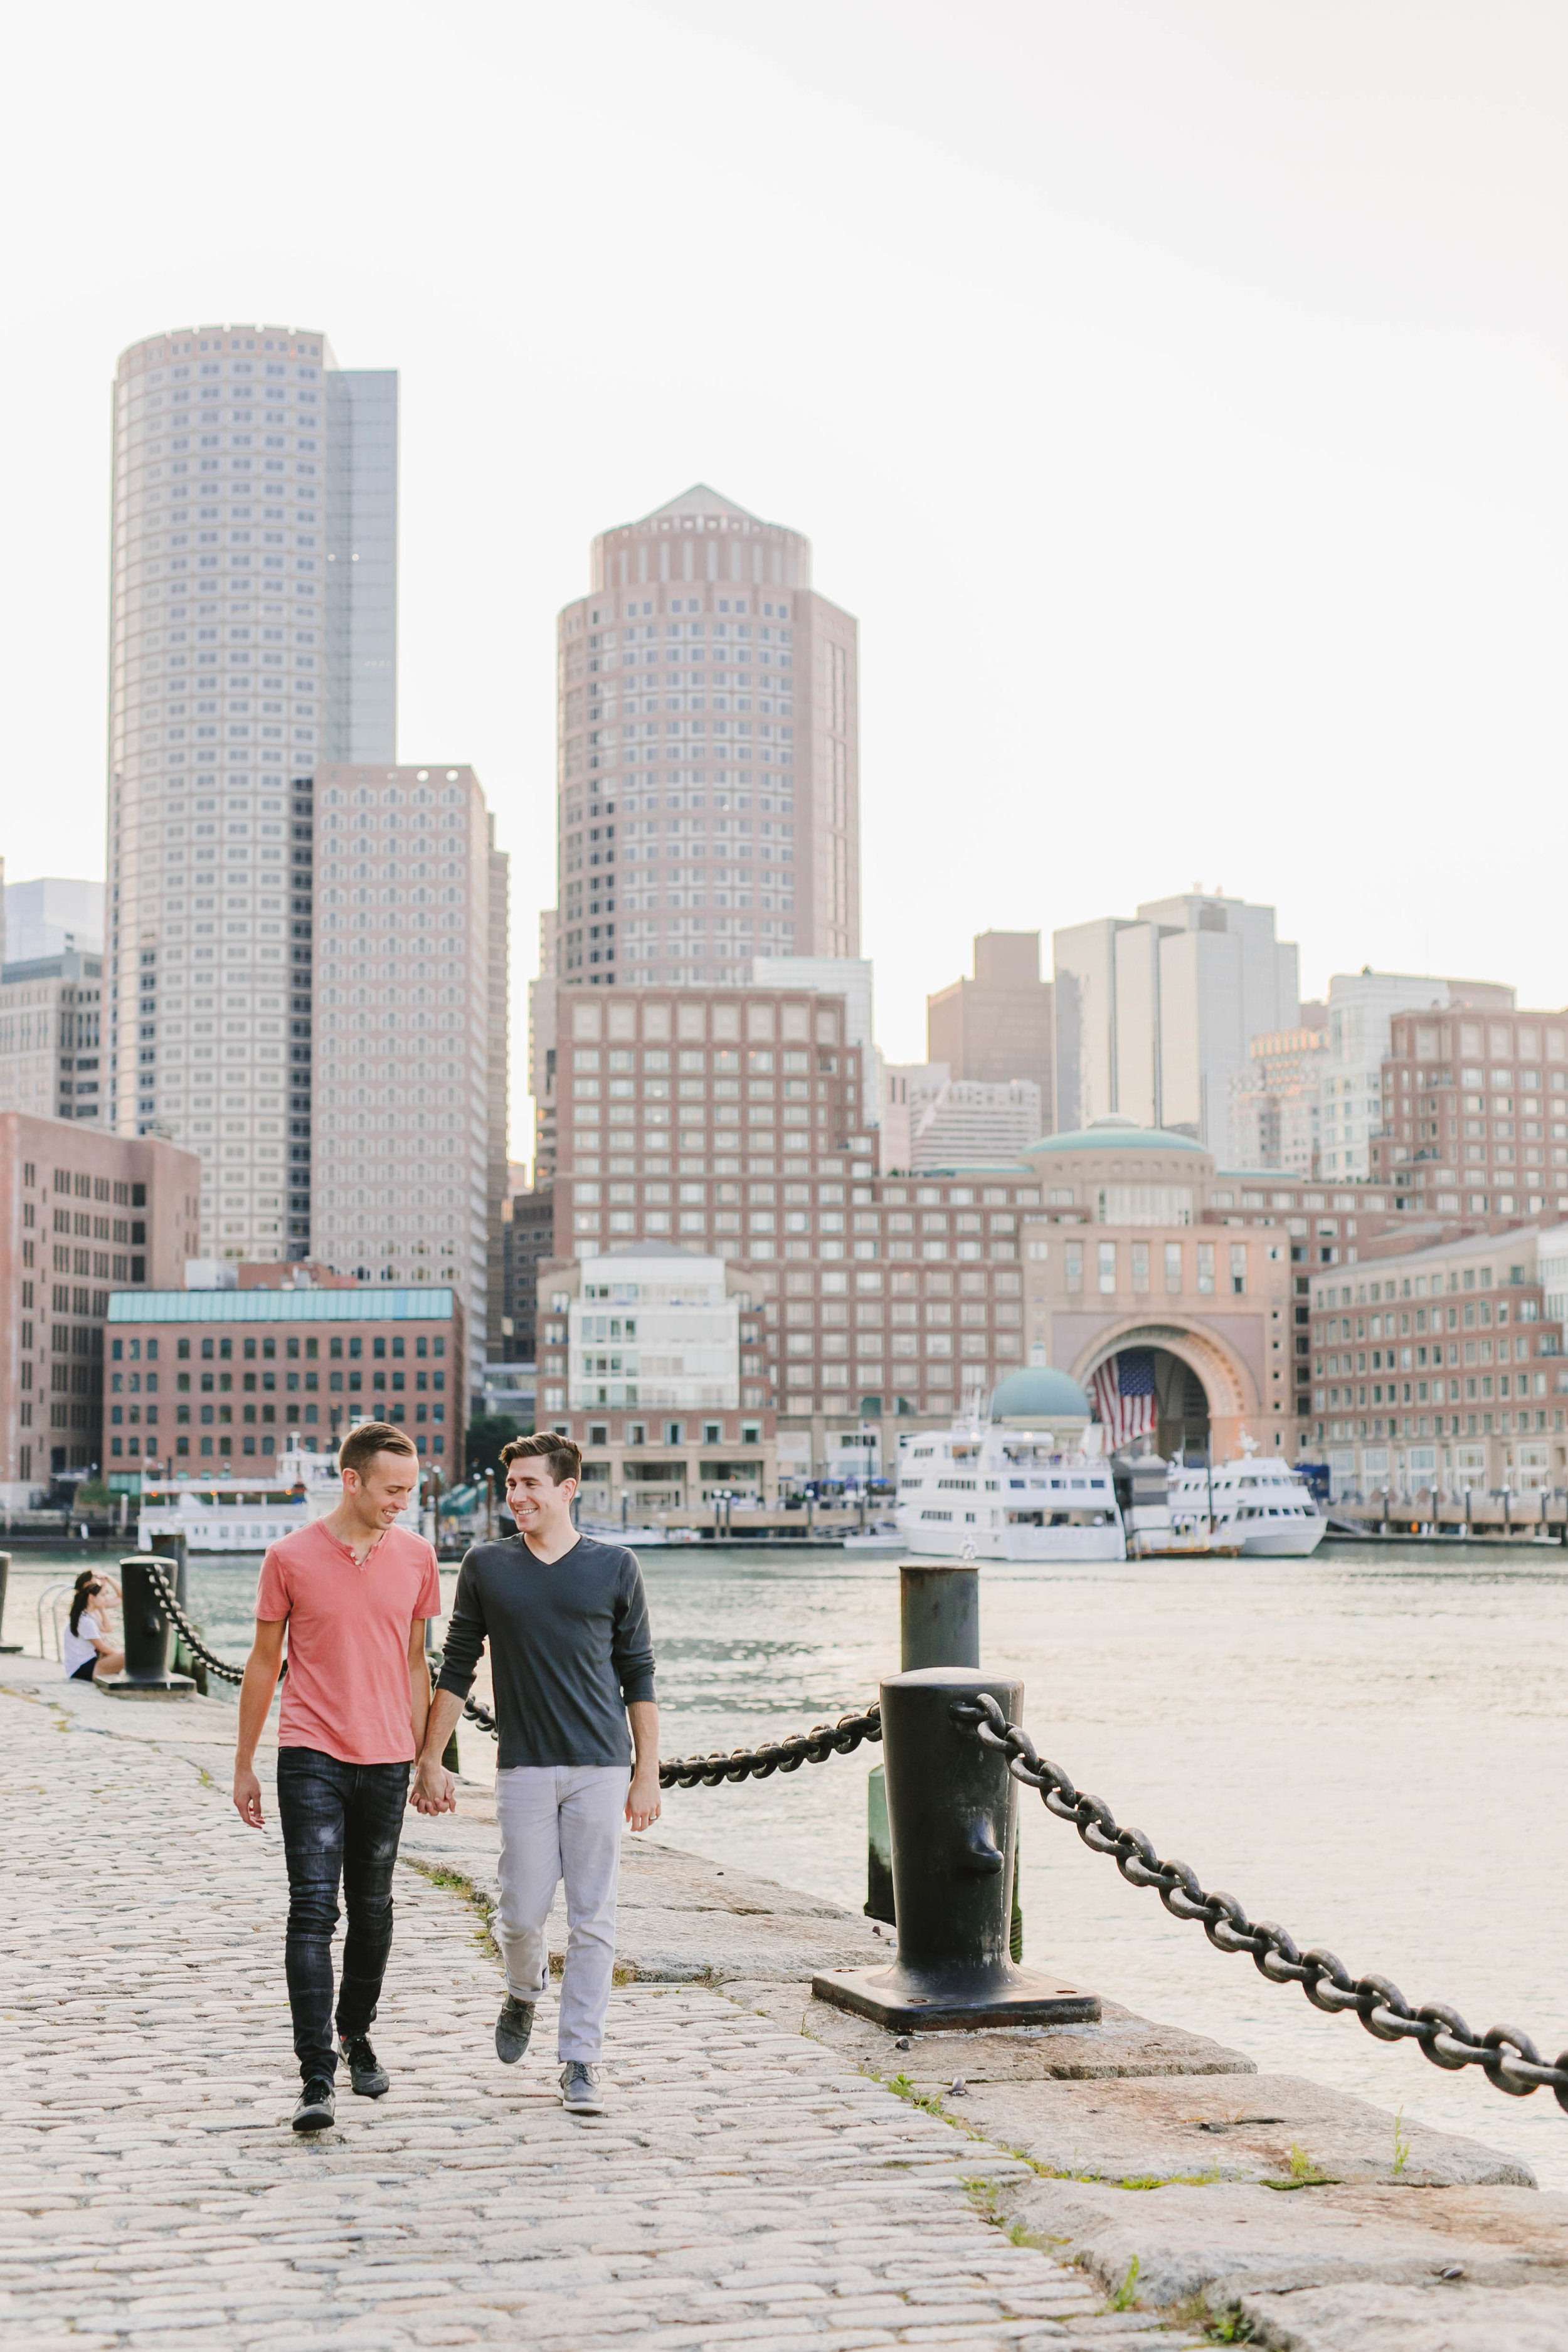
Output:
x=81 y=1213
x=1475 y=1114
x=732 y=1124
x=1444 y=1368
x=223 y=1380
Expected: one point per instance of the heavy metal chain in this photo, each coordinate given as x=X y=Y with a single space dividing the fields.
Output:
x=787 y=1755
x=1508 y=2059
x=186 y=1630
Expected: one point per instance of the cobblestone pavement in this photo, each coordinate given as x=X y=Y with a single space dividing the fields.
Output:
x=744 y=2188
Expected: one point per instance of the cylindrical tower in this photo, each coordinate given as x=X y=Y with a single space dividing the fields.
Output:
x=708 y=772
x=233 y=651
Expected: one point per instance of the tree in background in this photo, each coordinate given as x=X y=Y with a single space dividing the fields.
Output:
x=483 y=1444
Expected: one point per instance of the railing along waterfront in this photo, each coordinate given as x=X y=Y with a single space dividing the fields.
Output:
x=953 y=1771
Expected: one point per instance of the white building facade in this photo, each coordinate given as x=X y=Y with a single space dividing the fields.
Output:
x=51 y=1047
x=653 y=1330
x=49 y=916
x=252 y=624
x=932 y=1119
x=1153 y=1017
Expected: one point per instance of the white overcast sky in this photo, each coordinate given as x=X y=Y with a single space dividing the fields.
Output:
x=1175 y=391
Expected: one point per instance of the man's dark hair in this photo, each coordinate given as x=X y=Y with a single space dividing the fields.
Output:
x=564 y=1458
x=361 y=1446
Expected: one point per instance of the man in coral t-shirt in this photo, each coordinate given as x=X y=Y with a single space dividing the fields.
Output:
x=355 y=1590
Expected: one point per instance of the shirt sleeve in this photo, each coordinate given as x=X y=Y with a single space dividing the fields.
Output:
x=273 y=1602
x=429 y=1601
x=631 y=1644
x=466 y=1632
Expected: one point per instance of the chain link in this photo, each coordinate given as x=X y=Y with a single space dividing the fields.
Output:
x=787 y=1755
x=1508 y=2059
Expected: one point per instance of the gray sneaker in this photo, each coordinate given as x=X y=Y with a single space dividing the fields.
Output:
x=580 y=2091
x=513 y=2027
x=366 y=2072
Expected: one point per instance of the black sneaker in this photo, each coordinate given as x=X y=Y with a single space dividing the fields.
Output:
x=513 y=2027
x=316 y=2109
x=366 y=2072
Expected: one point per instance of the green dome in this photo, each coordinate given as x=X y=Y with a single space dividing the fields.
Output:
x=1116 y=1134
x=1040 y=1395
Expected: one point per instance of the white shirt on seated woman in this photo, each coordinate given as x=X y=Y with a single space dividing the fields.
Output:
x=85 y=1647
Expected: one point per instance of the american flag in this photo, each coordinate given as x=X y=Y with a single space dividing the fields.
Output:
x=1124 y=1393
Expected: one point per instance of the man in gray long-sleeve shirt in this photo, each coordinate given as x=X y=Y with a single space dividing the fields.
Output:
x=571 y=1658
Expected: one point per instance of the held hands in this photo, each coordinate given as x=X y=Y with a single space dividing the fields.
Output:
x=434 y=1790
x=248 y=1798
x=643 y=1805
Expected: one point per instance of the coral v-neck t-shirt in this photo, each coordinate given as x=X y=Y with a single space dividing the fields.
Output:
x=346 y=1691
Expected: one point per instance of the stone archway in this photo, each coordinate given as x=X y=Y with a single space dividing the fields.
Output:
x=1229 y=1394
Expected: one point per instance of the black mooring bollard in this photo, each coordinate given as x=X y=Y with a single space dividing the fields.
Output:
x=8 y=1649
x=175 y=1552
x=938 y=1614
x=939 y=1626
x=951 y=1806
x=174 y=1549
x=147 y=1629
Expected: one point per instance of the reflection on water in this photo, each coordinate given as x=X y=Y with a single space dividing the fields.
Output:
x=1368 y=1746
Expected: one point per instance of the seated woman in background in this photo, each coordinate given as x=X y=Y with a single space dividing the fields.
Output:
x=85 y=1649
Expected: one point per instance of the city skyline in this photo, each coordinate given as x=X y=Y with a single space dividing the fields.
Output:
x=1204 y=523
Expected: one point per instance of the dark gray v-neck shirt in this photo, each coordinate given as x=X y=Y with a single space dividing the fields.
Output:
x=570 y=1648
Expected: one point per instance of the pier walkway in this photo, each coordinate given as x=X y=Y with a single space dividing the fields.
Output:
x=748 y=2186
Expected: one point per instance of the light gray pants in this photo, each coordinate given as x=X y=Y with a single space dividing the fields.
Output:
x=562 y=1822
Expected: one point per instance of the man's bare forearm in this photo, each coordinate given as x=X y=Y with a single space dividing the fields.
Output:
x=254 y=1702
x=644 y=1714
x=418 y=1695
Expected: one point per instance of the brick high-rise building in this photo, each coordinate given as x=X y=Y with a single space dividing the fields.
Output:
x=1362 y=1005
x=708 y=768
x=253 y=631
x=80 y=1213
x=1473 y=1113
x=407 y=1005
x=997 y=1026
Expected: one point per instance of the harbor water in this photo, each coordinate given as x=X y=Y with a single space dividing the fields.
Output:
x=1369 y=1747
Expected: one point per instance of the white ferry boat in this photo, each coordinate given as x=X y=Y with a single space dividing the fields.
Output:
x=1008 y=1487
x=1254 y=1505
x=245 y=1515
x=1144 y=1495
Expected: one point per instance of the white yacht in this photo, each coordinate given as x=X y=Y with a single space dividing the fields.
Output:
x=245 y=1515
x=1009 y=1485
x=1254 y=1505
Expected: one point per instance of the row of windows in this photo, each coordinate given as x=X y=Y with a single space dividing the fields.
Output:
x=209 y=1414
x=1142 y=1256
x=130 y=1383
x=212 y=1450
x=267 y=1348
x=761 y=1062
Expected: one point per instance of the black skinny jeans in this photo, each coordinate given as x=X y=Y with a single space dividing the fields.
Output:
x=340 y=1821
